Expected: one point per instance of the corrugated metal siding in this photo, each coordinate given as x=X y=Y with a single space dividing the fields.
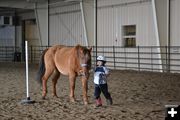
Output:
x=106 y=23
x=7 y=36
x=175 y=32
x=111 y=20
x=175 y=25
x=66 y=25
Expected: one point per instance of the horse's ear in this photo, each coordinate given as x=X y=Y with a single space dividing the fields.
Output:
x=79 y=48
x=90 y=49
x=78 y=45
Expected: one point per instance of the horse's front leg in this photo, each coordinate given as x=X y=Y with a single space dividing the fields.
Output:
x=85 y=89
x=72 y=79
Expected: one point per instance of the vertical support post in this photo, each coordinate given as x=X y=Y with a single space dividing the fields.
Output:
x=138 y=59
x=37 y=20
x=95 y=25
x=48 y=23
x=157 y=33
x=83 y=22
x=15 y=31
x=169 y=35
x=31 y=54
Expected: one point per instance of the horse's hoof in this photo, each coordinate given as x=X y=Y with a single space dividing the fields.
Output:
x=55 y=96
x=72 y=100
x=85 y=102
x=43 y=97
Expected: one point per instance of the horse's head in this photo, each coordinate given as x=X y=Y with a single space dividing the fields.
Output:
x=84 y=55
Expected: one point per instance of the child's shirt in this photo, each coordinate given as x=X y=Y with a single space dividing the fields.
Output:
x=100 y=75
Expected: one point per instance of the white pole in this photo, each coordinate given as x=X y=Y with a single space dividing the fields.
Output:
x=27 y=81
x=27 y=100
x=83 y=22
x=157 y=33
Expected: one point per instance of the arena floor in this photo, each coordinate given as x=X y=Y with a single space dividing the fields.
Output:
x=136 y=96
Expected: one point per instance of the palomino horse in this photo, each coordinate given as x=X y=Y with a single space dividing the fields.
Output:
x=71 y=61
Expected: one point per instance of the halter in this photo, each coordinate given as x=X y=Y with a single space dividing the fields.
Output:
x=84 y=65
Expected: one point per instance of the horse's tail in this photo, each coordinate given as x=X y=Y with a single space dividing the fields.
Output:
x=42 y=68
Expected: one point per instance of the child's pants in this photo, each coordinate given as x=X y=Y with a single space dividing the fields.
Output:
x=101 y=88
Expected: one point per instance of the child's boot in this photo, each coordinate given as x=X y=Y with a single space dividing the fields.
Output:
x=109 y=101
x=98 y=102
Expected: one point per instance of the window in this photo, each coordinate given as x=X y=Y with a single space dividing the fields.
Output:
x=6 y=20
x=129 y=35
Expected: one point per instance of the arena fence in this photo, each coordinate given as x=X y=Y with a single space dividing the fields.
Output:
x=10 y=53
x=141 y=58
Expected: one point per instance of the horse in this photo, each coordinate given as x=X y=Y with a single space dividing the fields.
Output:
x=71 y=61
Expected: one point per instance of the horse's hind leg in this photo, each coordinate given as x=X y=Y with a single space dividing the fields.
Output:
x=54 y=82
x=47 y=74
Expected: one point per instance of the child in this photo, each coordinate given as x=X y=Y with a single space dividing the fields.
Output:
x=100 y=81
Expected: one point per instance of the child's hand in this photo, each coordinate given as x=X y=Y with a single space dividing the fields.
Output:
x=107 y=74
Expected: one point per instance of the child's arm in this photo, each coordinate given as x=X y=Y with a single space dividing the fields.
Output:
x=107 y=73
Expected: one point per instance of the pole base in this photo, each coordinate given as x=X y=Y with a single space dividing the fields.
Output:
x=27 y=101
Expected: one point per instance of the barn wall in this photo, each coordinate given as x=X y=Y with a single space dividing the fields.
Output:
x=7 y=36
x=22 y=16
x=175 y=32
x=112 y=18
x=175 y=26
x=66 y=25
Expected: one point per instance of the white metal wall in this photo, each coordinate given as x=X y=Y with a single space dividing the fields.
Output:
x=112 y=18
x=175 y=31
x=66 y=25
x=7 y=36
x=175 y=25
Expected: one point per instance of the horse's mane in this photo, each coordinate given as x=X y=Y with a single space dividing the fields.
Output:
x=85 y=50
x=81 y=49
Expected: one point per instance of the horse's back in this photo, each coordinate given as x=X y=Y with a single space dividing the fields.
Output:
x=49 y=56
x=59 y=57
x=53 y=50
